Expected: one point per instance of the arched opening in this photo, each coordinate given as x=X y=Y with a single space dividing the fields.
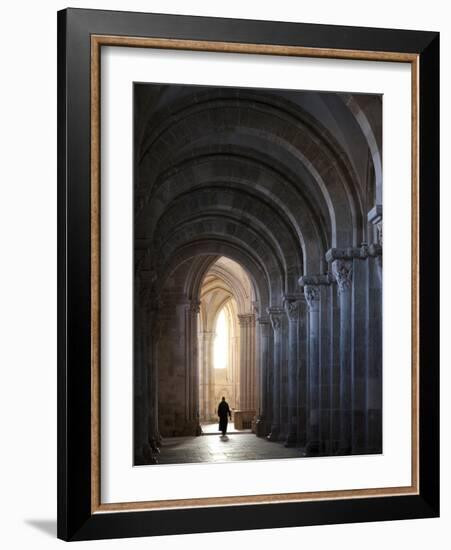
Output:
x=227 y=346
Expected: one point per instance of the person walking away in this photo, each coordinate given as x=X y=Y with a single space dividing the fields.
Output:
x=224 y=414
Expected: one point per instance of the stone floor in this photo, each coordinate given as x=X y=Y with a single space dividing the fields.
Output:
x=211 y=447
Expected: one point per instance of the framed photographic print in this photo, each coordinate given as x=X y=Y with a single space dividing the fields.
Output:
x=248 y=274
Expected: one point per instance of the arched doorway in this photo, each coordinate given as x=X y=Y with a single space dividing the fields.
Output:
x=227 y=344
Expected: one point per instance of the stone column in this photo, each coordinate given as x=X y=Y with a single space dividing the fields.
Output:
x=375 y=217
x=374 y=379
x=205 y=382
x=192 y=373
x=326 y=361
x=242 y=320
x=252 y=362
x=275 y=315
x=247 y=361
x=143 y=413
x=292 y=310
x=140 y=400
x=152 y=336
x=312 y=297
x=320 y=351
x=152 y=347
x=302 y=374
x=263 y=330
x=342 y=271
x=145 y=318
x=334 y=395
x=360 y=305
x=235 y=369
x=360 y=344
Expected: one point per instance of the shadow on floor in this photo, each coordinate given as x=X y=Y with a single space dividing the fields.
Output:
x=47 y=526
x=213 y=429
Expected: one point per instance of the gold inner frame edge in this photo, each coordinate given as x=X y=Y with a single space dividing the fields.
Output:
x=97 y=41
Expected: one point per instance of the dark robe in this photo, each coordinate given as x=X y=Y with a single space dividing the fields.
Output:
x=223 y=413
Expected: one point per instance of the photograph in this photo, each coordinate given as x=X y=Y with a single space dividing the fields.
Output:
x=257 y=282
x=247 y=274
x=225 y=287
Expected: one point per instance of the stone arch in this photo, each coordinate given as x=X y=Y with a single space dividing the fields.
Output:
x=227 y=286
x=234 y=208
x=273 y=117
x=373 y=139
x=257 y=273
x=292 y=212
x=268 y=279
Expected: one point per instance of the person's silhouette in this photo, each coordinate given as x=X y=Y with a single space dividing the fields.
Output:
x=224 y=414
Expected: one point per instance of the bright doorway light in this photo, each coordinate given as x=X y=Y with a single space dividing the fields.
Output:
x=221 y=344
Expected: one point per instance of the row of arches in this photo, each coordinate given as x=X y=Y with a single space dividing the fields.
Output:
x=266 y=203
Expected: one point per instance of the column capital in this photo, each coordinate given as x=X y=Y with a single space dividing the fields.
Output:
x=291 y=305
x=342 y=270
x=375 y=217
x=275 y=316
x=375 y=214
x=246 y=319
x=263 y=320
x=361 y=252
x=312 y=296
x=316 y=280
x=194 y=307
x=256 y=307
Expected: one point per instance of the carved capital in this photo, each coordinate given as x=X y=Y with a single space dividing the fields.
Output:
x=246 y=320
x=342 y=271
x=375 y=217
x=275 y=316
x=316 y=280
x=361 y=252
x=379 y=233
x=194 y=307
x=375 y=214
x=276 y=321
x=292 y=309
x=263 y=320
x=312 y=296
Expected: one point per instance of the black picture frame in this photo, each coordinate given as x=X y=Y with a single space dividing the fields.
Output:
x=76 y=520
